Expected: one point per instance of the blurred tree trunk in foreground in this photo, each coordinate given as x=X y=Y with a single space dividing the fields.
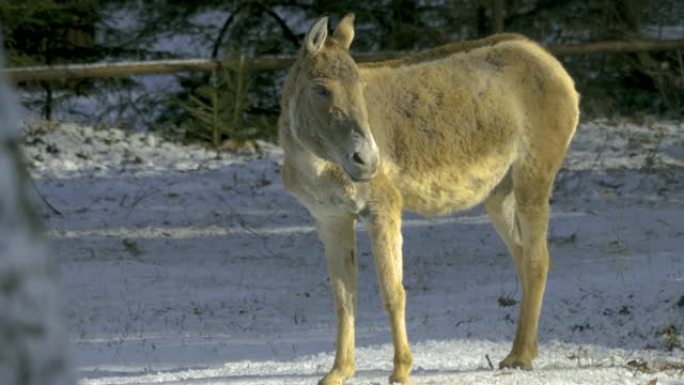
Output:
x=33 y=337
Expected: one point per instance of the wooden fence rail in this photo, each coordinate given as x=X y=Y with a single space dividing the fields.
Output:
x=266 y=63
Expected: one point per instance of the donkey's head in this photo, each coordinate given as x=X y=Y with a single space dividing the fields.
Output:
x=328 y=112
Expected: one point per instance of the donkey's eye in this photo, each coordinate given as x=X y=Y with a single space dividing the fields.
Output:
x=321 y=91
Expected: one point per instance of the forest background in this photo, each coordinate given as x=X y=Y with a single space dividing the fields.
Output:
x=241 y=103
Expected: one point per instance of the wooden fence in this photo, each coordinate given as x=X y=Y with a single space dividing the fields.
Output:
x=103 y=70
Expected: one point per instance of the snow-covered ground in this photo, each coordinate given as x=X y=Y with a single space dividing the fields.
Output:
x=182 y=266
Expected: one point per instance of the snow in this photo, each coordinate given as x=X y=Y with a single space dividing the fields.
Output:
x=184 y=266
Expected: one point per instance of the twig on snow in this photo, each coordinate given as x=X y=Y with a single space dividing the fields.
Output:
x=489 y=362
x=47 y=203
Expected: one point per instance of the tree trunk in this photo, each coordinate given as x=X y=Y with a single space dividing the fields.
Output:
x=33 y=337
x=47 y=107
x=499 y=12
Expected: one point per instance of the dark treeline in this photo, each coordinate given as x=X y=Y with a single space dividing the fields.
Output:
x=52 y=31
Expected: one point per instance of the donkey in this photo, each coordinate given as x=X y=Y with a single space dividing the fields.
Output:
x=434 y=133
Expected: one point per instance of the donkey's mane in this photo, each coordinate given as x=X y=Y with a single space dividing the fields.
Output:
x=444 y=51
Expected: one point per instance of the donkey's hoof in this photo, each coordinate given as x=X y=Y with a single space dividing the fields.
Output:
x=403 y=379
x=336 y=377
x=328 y=380
x=513 y=361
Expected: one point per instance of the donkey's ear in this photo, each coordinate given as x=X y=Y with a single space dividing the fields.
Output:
x=315 y=38
x=344 y=33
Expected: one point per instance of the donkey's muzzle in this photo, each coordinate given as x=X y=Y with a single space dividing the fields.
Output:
x=362 y=164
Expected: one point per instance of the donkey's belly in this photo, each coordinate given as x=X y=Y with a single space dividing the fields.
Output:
x=451 y=188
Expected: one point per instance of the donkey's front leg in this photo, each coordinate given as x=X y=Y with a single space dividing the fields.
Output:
x=384 y=227
x=337 y=234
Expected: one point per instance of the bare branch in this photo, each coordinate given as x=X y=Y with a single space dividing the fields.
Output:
x=224 y=28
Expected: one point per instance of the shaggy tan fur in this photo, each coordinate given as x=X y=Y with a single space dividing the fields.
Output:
x=486 y=121
x=444 y=50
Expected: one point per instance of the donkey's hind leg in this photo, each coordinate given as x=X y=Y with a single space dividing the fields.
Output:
x=520 y=213
x=500 y=206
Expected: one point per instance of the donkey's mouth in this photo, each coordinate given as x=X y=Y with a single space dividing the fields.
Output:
x=361 y=179
x=359 y=176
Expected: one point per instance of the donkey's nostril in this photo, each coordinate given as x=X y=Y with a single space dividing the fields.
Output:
x=356 y=157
